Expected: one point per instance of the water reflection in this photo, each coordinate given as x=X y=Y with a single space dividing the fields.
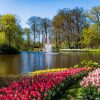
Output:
x=49 y=60
x=30 y=61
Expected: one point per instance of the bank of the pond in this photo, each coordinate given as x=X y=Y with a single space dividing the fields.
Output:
x=64 y=50
x=79 y=50
x=5 y=50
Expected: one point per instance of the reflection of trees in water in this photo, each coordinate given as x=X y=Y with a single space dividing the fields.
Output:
x=69 y=59
x=95 y=56
x=26 y=62
x=24 y=58
x=49 y=60
x=8 y=64
x=32 y=61
x=56 y=61
x=38 y=61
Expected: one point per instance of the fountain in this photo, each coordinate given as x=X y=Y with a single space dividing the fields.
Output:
x=48 y=49
x=48 y=46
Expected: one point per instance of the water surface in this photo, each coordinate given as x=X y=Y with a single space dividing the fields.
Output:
x=31 y=61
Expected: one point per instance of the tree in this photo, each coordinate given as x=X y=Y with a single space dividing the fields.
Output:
x=27 y=32
x=34 y=23
x=58 y=30
x=18 y=38
x=2 y=38
x=94 y=15
x=46 y=23
x=60 y=24
x=8 y=25
x=91 y=36
x=79 y=23
x=69 y=23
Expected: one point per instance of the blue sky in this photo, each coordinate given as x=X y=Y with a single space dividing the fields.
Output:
x=43 y=8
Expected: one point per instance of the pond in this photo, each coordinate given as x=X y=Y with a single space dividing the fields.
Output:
x=31 y=61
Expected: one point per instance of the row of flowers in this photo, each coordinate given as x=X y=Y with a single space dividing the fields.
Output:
x=39 y=87
x=46 y=71
x=92 y=79
x=91 y=85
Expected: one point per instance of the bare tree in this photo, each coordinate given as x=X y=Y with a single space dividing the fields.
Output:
x=34 y=23
x=27 y=32
x=69 y=23
x=46 y=23
x=94 y=15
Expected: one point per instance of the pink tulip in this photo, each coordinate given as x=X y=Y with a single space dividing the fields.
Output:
x=93 y=79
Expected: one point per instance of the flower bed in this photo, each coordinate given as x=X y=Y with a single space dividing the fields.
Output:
x=39 y=87
x=92 y=79
x=46 y=71
x=6 y=80
x=91 y=85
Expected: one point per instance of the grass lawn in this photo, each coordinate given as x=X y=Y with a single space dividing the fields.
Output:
x=79 y=50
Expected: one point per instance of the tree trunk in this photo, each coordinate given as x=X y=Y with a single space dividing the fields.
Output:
x=9 y=40
x=78 y=31
x=56 y=41
x=39 y=41
x=46 y=35
x=28 y=41
x=68 y=42
x=34 y=40
x=42 y=41
x=78 y=40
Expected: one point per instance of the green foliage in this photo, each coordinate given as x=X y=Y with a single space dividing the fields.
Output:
x=10 y=31
x=70 y=28
x=91 y=37
x=87 y=64
x=27 y=33
x=94 y=15
x=55 y=49
x=9 y=26
x=59 y=89
x=63 y=24
x=90 y=93
x=2 y=37
x=6 y=80
x=5 y=49
x=34 y=23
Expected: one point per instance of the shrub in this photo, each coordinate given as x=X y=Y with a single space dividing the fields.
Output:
x=85 y=63
x=90 y=93
x=5 y=49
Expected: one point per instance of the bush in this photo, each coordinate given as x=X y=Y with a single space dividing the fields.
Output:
x=5 y=49
x=85 y=63
x=90 y=93
x=55 y=49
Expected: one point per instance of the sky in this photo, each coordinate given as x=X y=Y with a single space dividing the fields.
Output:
x=24 y=9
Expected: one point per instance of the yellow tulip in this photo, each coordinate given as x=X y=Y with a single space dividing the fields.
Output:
x=46 y=71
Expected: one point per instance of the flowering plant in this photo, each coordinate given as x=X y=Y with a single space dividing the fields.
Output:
x=92 y=79
x=39 y=87
x=91 y=84
x=46 y=71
